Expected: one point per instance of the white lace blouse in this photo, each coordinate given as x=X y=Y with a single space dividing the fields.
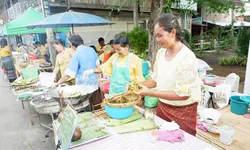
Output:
x=179 y=75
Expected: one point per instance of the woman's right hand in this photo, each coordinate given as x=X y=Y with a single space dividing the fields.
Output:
x=144 y=91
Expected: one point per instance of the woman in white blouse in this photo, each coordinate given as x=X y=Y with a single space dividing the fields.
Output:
x=175 y=76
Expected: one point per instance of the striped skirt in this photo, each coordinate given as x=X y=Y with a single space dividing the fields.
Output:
x=184 y=116
x=9 y=67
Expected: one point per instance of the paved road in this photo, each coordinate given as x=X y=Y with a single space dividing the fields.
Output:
x=16 y=131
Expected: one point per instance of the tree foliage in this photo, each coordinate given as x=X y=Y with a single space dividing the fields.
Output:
x=138 y=38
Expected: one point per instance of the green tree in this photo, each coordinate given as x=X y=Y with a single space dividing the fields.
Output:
x=159 y=6
x=243 y=41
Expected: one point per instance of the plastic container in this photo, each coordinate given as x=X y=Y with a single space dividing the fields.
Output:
x=46 y=79
x=119 y=113
x=29 y=73
x=245 y=99
x=150 y=102
x=145 y=68
x=238 y=106
x=226 y=134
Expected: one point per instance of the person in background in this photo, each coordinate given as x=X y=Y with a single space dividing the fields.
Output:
x=42 y=49
x=175 y=76
x=62 y=60
x=7 y=62
x=122 y=67
x=100 y=47
x=24 y=50
x=84 y=58
x=48 y=52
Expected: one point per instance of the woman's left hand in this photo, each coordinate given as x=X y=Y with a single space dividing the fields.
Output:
x=144 y=91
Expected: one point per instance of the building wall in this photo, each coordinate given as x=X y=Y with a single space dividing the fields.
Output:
x=123 y=23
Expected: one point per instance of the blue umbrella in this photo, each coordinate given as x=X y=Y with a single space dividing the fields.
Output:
x=70 y=19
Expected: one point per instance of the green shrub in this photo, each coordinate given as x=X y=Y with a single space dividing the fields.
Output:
x=243 y=41
x=233 y=61
x=121 y=33
x=138 y=38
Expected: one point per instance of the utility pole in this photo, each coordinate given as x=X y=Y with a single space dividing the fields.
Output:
x=50 y=36
x=247 y=76
x=135 y=13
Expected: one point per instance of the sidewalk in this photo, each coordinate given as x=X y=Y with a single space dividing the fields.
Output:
x=16 y=131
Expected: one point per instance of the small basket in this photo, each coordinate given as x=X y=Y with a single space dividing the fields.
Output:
x=123 y=105
x=29 y=73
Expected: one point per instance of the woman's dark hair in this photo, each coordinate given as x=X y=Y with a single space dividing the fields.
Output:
x=59 y=42
x=169 y=22
x=122 y=40
x=111 y=42
x=3 y=42
x=92 y=46
x=75 y=40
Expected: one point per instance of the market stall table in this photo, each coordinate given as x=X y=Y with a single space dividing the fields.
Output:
x=241 y=139
x=140 y=140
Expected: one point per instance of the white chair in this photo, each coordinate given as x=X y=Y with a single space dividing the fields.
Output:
x=233 y=80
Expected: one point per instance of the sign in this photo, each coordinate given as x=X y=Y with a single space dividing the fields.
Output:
x=66 y=128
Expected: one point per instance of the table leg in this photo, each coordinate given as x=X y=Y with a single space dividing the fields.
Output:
x=22 y=104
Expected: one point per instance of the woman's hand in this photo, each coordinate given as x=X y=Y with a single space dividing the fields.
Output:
x=87 y=72
x=54 y=85
x=144 y=91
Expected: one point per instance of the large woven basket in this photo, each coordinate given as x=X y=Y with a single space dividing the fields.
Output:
x=123 y=105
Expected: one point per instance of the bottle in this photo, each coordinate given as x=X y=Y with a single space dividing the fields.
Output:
x=153 y=136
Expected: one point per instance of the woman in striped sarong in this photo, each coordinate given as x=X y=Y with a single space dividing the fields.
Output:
x=175 y=76
x=7 y=62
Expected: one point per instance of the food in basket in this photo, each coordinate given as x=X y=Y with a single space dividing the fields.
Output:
x=75 y=94
x=133 y=88
x=77 y=135
x=124 y=99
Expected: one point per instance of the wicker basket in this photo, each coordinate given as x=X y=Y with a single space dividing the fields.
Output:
x=123 y=105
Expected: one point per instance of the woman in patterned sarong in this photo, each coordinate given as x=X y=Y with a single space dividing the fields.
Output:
x=7 y=62
x=175 y=76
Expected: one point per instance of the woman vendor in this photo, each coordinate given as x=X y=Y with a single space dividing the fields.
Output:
x=175 y=76
x=7 y=62
x=123 y=67
x=62 y=60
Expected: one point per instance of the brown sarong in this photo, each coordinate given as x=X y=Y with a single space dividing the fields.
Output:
x=184 y=116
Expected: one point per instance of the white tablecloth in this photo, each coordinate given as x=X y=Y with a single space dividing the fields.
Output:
x=141 y=141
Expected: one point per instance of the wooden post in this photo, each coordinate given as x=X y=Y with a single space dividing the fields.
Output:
x=50 y=40
x=247 y=77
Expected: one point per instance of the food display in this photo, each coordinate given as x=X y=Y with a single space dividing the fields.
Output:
x=90 y=130
x=75 y=94
x=24 y=82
